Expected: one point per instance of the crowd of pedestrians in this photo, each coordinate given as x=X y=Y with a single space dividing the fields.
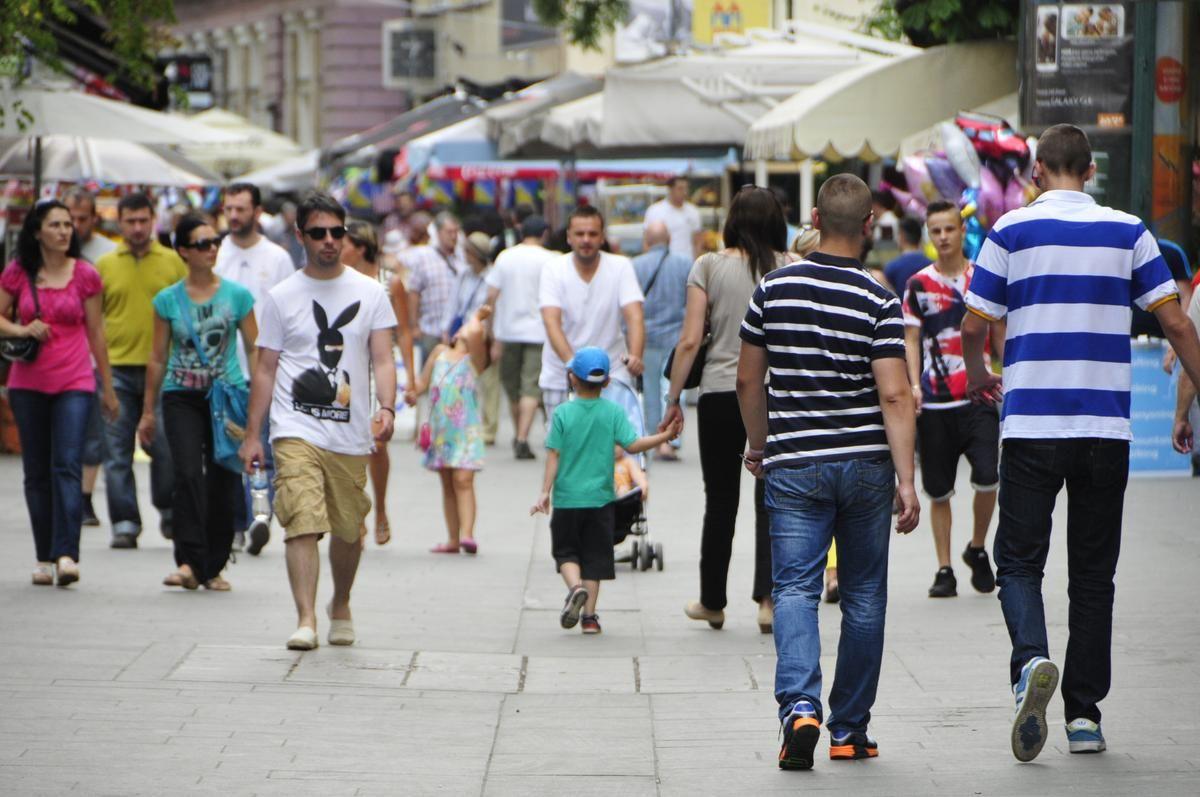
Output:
x=226 y=358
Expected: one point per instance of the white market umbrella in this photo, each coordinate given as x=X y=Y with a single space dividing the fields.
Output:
x=259 y=147
x=36 y=112
x=294 y=174
x=75 y=159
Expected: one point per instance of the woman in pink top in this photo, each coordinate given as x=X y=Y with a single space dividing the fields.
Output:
x=57 y=298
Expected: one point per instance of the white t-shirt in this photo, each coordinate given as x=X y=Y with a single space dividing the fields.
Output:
x=258 y=269
x=96 y=247
x=683 y=223
x=322 y=330
x=517 y=274
x=591 y=312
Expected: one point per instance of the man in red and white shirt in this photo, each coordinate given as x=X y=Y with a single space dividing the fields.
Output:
x=949 y=425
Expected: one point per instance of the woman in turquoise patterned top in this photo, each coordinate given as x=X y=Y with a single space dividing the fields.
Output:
x=456 y=428
x=205 y=492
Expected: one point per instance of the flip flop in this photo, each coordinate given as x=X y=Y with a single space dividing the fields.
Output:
x=470 y=546
x=444 y=547
x=383 y=533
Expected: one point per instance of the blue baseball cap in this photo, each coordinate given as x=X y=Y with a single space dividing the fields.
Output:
x=590 y=364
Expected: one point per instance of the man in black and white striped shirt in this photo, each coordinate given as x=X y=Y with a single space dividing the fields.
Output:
x=830 y=434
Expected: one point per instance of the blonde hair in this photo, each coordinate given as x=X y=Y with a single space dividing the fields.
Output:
x=806 y=242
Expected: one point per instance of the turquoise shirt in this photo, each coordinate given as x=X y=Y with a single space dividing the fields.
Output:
x=583 y=432
x=215 y=323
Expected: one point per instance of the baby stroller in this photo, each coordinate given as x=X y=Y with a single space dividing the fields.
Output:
x=631 y=522
x=630 y=508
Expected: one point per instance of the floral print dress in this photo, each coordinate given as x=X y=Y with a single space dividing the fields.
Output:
x=455 y=422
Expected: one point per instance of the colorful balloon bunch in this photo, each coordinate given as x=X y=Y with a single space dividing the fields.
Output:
x=985 y=166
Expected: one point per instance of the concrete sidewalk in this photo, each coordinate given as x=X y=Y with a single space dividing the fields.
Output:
x=463 y=683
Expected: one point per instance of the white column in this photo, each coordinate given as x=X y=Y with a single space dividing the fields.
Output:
x=806 y=190
x=760 y=173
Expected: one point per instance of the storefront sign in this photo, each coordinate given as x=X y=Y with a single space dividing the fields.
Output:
x=710 y=17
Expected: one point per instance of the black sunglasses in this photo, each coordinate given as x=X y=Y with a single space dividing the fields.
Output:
x=319 y=233
x=204 y=244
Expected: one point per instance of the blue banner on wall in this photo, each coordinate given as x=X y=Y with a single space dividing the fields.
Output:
x=1152 y=412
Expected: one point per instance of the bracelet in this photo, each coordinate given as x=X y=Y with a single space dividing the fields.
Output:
x=392 y=410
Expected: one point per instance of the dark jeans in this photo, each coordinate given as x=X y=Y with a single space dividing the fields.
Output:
x=130 y=384
x=849 y=501
x=722 y=443
x=206 y=494
x=93 y=444
x=51 y=427
x=1032 y=472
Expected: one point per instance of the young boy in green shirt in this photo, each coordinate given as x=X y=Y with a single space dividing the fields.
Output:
x=579 y=469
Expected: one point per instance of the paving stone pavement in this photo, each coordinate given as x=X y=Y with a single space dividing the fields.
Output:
x=463 y=683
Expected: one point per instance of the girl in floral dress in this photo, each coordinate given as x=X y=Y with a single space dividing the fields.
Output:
x=455 y=451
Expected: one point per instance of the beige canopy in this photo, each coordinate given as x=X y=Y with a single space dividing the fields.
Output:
x=869 y=111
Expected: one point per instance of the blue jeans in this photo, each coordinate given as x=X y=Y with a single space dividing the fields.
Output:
x=654 y=390
x=93 y=444
x=129 y=381
x=1032 y=473
x=849 y=501
x=52 y=427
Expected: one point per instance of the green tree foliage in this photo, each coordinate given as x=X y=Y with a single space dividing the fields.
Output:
x=584 y=21
x=930 y=22
x=136 y=30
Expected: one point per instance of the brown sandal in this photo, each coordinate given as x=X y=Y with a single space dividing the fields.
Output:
x=218 y=584
x=181 y=579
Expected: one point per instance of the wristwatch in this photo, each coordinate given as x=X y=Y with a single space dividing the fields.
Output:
x=671 y=401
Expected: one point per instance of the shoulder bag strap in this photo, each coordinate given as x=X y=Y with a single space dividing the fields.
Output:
x=657 y=270
x=181 y=299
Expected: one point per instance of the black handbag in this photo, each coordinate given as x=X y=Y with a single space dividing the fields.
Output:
x=22 y=349
x=694 y=376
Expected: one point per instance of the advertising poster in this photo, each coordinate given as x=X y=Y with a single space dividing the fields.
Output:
x=710 y=17
x=1172 y=164
x=1152 y=411
x=1082 y=64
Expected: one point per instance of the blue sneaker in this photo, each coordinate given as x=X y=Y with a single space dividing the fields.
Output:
x=1035 y=687
x=851 y=746
x=800 y=732
x=1084 y=736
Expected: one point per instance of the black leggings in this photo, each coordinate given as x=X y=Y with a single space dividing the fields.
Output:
x=722 y=442
x=206 y=494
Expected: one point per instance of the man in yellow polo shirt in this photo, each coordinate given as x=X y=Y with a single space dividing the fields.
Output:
x=132 y=274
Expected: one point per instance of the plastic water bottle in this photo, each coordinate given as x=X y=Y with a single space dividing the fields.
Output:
x=260 y=496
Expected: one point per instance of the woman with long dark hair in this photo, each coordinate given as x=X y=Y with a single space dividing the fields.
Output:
x=360 y=251
x=719 y=290
x=58 y=304
x=196 y=322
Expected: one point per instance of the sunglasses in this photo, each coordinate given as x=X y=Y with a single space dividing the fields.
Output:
x=319 y=233
x=204 y=244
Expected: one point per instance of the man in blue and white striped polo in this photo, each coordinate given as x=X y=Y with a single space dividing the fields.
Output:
x=1064 y=271
x=832 y=432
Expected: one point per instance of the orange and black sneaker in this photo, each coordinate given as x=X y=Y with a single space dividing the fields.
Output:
x=851 y=746
x=800 y=732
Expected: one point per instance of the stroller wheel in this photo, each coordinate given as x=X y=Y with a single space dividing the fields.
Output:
x=647 y=556
x=658 y=559
x=634 y=555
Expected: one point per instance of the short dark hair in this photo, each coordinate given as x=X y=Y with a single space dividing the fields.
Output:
x=29 y=249
x=77 y=194
x=186 y=226
x=910 y=230
x=135 y=201
x=246 y=188
x=941 y=206
x=1064 y=149
x=885 y=199
x=844 y=203
x=317 y=202
x=671 y=181
x=585 y=212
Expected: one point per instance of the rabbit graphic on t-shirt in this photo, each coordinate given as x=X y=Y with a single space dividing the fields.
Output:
x=327 y=384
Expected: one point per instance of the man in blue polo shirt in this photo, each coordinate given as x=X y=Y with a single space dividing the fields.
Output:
x=1063 y=271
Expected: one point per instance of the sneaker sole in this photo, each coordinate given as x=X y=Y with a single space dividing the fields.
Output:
x=1029 y=730
x=851 y=752
x=1087 y=747
x=570 y=613
x=798 y=753
x=259 y=536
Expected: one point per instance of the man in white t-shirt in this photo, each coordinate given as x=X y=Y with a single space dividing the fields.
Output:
x=248 y=258
x=322 y=332
x=681 y=217
x=584 y=297
x=513 y=286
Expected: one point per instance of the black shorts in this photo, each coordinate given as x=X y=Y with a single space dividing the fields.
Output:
x=585 y=537
x=945 y=435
